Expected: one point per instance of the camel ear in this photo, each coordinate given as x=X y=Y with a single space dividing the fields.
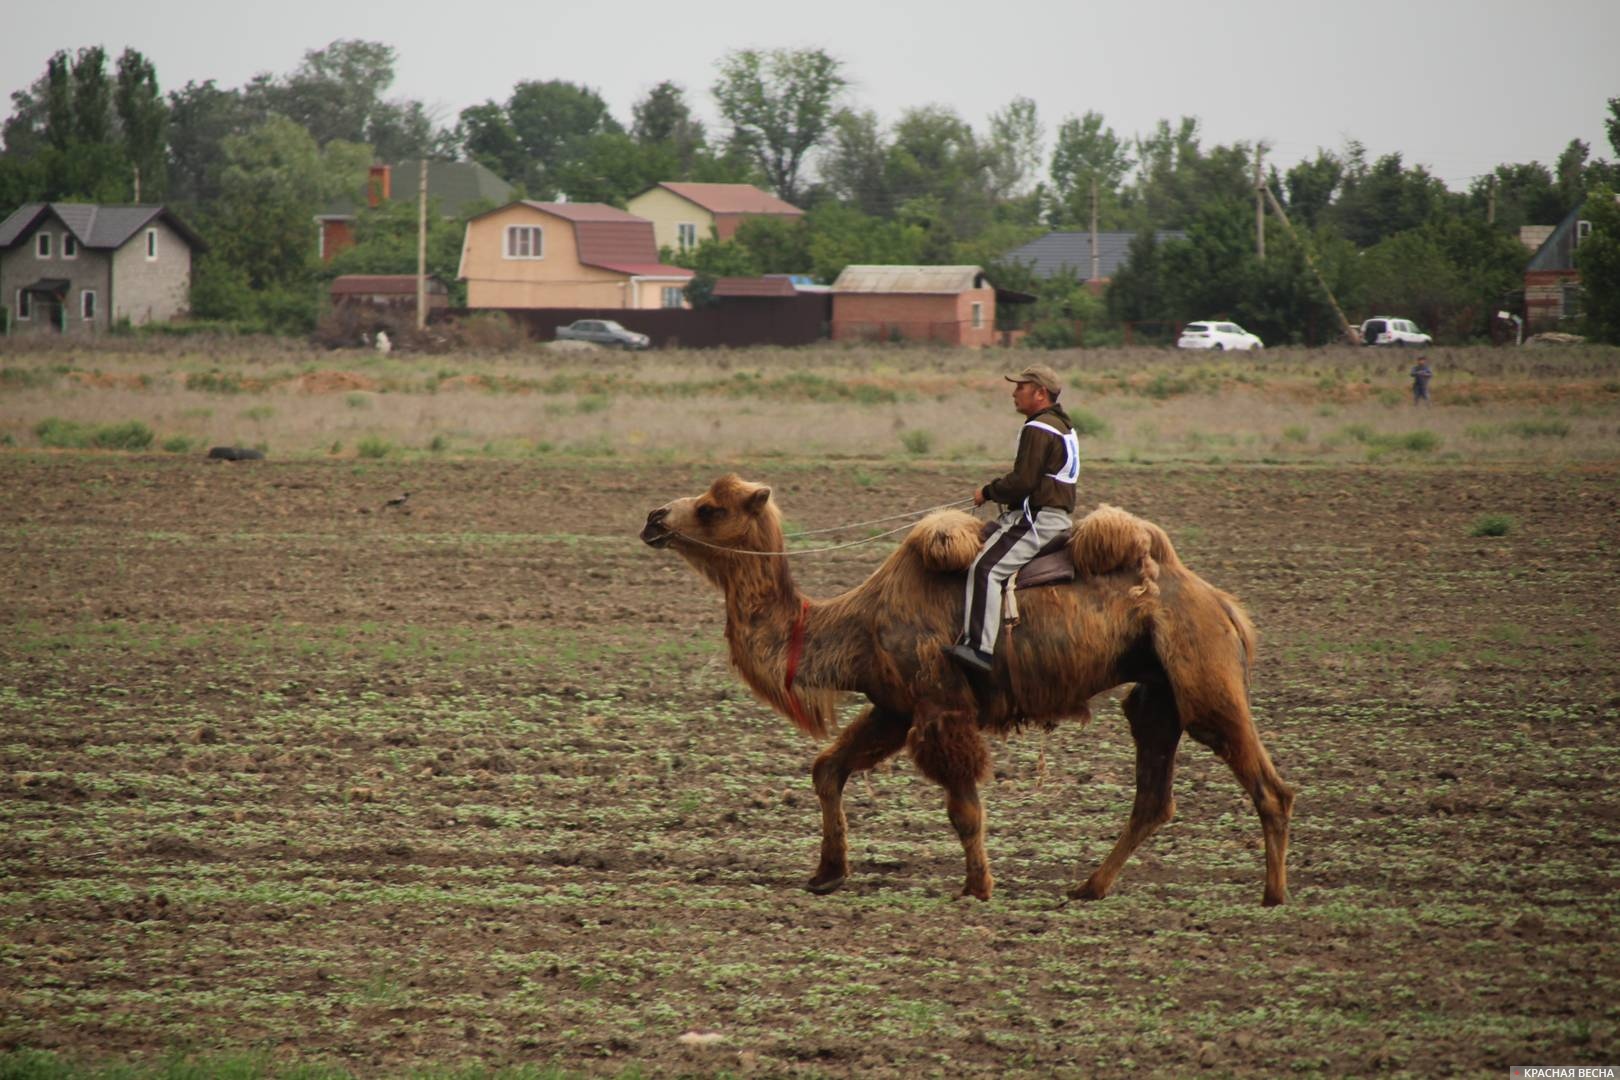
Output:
x=756 y=501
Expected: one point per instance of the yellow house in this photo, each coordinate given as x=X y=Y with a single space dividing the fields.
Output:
x=566 y=255
x=685 y=215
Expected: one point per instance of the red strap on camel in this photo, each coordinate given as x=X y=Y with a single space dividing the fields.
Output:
x=796 y=650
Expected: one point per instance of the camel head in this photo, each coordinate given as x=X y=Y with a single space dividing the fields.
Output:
x=733 y=514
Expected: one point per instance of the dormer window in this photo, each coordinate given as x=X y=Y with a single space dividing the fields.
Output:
x=42 y=245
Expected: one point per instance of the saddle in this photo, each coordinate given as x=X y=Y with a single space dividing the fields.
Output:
x=1053 y=564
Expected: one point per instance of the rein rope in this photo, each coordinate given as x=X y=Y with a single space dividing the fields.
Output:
x=836 y=528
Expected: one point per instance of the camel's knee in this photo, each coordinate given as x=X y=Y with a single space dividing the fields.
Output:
x=948 y=748
x=828 y=775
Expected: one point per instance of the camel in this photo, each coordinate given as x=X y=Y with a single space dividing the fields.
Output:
x=1133 y=614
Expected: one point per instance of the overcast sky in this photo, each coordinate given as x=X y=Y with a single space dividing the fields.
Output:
x=1459 y=86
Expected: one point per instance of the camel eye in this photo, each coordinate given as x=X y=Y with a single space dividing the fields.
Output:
x=708 y=513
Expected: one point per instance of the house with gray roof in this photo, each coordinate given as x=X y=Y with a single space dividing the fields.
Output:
x=456 y=188
x=80 y=267
x=1059 y=251
x=1552 y=284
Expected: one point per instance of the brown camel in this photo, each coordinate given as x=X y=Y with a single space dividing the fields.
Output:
x=1133 y=614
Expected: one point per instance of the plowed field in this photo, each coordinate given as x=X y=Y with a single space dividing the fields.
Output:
x=469 y=782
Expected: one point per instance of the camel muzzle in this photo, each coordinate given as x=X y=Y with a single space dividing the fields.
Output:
x=655 y=533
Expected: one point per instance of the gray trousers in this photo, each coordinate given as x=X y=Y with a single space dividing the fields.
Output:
x=1014 y=543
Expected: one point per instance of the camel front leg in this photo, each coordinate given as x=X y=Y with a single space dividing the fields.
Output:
x=948 y=749
x=874 y=736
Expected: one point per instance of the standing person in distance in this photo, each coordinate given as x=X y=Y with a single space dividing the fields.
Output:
x=1421 y=374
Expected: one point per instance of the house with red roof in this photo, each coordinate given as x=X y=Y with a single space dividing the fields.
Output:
x=566 y=255
x=685 y=215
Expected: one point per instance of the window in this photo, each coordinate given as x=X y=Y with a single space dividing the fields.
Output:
x=70 y=246
x=42 y=245
x=673 y=296
x=1583 y=229
x=25 y=305
x=686 y=231
x=87 y=304
x=151 y=244
x=524 y=242
x=978 y=314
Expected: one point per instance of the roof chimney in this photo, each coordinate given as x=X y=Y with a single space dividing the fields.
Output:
x=377 y=185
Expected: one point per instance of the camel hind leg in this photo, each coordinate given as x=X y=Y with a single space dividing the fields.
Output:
x=874 y=736
x=1205 y=643
x=1156 y=729
x=1231 y=734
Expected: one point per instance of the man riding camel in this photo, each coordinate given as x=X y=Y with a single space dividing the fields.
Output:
x=1037 y=498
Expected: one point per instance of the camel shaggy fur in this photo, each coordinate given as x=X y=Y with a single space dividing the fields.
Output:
x=1134 y=614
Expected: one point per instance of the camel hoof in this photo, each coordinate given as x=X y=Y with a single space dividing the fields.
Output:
x=821 y=886
x=1087 y=891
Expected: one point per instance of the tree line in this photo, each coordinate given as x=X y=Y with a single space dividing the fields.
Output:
x=250 y=166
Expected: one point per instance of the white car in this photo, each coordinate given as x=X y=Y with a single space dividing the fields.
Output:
x=1384 y=330
x=1218 y=336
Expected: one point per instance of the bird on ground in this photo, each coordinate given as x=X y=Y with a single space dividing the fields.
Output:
x=398 y=502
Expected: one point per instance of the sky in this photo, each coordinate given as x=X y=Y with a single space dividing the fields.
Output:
x=1459 y=86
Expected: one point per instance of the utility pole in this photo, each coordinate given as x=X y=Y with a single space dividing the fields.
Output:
x=137 y=171
x=421 y=246
x=1096 y=256
x=1490 y=202
x=1350 y=334
x=1259 y=205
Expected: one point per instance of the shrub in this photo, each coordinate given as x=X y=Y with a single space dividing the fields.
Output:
x=1530 y=429
x=1296 y=433
x=70 y=435
x=1087 y=425
x=1420 y=442
x=177 y=444
x=491 y=330
x=1492 y=525
x=917 y=441
x=1050 y=334
x=373 y=446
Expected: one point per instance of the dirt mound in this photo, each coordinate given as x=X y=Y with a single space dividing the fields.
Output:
x=333 y=382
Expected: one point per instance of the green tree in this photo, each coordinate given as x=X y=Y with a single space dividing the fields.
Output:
x=261 y=260
x=1309 y=187
x=1086 y=151
x=1524 y=195
x=1387 y=198
x=486 y=134
x=776 y=245
x=1207 y=274
x=385 y=243
x=841 y=236
x=780 y=105
x=939 y=176
x=1598 y=260
x=852 y=168
x=143 y=118
x=663 y=121
x=201 y=117
x=1013 y=148
x=612 y=167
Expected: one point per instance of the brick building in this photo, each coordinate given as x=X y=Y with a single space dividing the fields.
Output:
x=946 y=305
